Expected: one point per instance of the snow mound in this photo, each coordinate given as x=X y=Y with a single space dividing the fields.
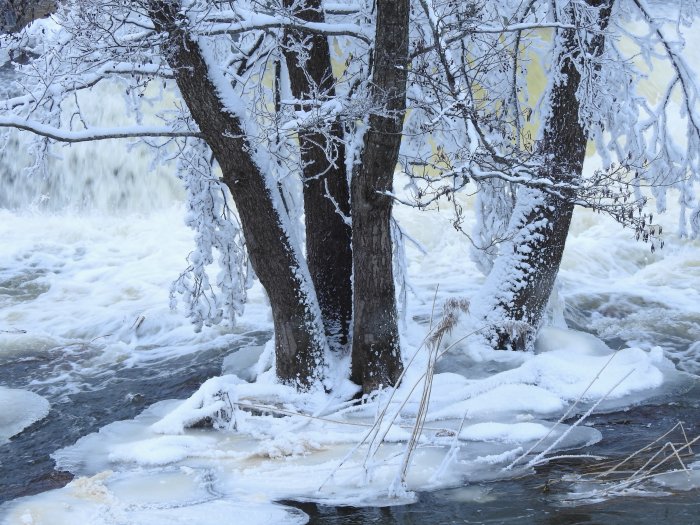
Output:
x=18 y=410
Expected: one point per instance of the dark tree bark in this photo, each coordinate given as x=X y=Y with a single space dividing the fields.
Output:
x=524 y=280
x=16 y=14
x=376 y=357
x=299 y=340
x=328 y=236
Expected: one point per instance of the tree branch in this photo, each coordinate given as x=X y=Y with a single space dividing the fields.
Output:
x=677 y=63
x=483 y=29
x=225 y=26
x=94 y=134
x=88 y=80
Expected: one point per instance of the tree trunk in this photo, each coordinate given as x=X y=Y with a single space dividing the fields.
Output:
x=523 y=279
x=300 y=344
x=376 y=356
x=328 y=235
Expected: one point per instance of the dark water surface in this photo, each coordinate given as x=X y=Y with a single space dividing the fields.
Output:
x=537 y=499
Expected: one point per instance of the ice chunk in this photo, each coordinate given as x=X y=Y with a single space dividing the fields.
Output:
x=242 y=362
x=551 y=338
x=164 y=497
x=18 y=410
x=681 y=479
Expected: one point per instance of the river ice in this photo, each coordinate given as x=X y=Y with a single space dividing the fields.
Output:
x=18 y=410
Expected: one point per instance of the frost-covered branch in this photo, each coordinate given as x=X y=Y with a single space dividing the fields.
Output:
x=221 y=25
x=471 y=95
x=93 y=134
x=218 y=237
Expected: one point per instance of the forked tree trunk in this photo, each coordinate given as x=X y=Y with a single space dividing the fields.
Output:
x=376 y=356
x=523 y=279
x=328 y=235
x=300 y=344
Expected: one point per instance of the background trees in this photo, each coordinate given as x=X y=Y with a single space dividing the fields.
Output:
x=269 y=93
x=524 y=148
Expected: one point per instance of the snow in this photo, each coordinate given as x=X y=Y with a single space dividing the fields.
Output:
x=18 y=410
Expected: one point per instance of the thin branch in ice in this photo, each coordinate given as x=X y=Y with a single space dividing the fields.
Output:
x=580 y=420
x=562 y=418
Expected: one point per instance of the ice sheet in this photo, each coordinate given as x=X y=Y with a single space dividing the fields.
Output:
x=18 y=410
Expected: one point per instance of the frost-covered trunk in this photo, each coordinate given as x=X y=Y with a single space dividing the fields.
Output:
x=523 y=276
x=328 y=235
x=376 y=356
x=299 y=339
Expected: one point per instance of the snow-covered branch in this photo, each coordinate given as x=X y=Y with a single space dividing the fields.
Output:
x=86 y=79
x=93 y=134
x=221 y=24
x=483 y=29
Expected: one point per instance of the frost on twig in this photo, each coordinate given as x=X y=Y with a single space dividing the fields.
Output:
x=218 y=237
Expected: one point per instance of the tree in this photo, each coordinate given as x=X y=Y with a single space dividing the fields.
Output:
x=265 y=98
x=15 y=14
x=529 y=187
x=375 y=347
x=214 y=52
x=323 y=163
x=589 y=98
x=523 y=281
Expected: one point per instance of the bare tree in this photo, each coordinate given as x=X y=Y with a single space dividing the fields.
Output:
x=376 y=356
x=323 y=162
x=523 y=281
x=220 y=57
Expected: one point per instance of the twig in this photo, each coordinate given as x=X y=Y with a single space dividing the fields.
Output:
x=562 y=418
